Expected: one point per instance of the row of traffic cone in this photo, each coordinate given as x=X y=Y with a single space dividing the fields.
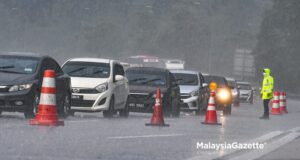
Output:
x=279 y=103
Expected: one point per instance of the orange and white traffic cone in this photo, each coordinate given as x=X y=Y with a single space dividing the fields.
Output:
x=47 y=111
x=157 y=116
x=283 y=102
x=211 y=113
x=275 y=104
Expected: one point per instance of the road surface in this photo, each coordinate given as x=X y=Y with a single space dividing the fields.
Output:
x=89 y=136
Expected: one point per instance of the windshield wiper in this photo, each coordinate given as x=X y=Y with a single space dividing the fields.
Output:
x=7 y=67
x=137 y=79
x=151 y=80
x=8 y=71
x=76 y=70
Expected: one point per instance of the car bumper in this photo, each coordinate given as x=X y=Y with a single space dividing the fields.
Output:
x=16 y=101
x=91 y=102
x=189 y=103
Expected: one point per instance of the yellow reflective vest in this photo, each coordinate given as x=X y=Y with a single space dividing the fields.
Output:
x=267 y=85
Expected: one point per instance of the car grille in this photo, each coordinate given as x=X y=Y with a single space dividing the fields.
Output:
x=185 y=96
x=85 y=90
x=4 y=89
x=82 y=103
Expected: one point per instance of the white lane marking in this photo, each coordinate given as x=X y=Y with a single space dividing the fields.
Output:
x=146 y=136
x=260 y=139
x=255 y=154
x=295 y=129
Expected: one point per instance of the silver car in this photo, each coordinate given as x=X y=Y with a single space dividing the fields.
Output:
x=190 y=85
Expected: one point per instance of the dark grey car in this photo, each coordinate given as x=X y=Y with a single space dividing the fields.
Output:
x=21 y=78
x=143 y=82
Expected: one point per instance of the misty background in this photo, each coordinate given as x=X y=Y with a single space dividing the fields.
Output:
x=204 y=33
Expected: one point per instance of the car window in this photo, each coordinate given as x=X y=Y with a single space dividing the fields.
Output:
x=245 y=87
x=18 y=65
x=87 y=69
x=51 y=64
x=186 y=79
x=146 y=78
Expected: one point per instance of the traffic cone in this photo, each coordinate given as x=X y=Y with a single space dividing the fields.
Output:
x=275 y=104
x=157 y=116
x=211 y=113
x=47 y=111
x=282 y=103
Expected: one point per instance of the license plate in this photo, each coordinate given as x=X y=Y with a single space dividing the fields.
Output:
x=137 y=105
x=77 y=97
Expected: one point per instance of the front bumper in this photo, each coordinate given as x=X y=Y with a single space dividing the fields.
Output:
x=190 y=103
x=91 y=102
x=16 y=101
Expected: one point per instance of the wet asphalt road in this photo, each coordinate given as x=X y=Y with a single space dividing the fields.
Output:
x=90 y=136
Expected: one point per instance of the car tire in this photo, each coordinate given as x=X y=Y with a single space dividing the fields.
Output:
x=31 y=110
x=110 y=112
x=64 y=111
x=227 y=110
x=124 y=112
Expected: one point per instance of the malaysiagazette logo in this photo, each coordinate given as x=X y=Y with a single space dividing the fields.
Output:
x=233 y=145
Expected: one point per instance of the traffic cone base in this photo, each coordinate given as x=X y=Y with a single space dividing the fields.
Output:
x=157 y=116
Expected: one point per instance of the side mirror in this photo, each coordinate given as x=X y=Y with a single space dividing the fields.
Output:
x=239 y=87
x=253 y=89
x=119 y=78
x=204 y=85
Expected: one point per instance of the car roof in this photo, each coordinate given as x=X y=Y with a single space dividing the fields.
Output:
x=150 y=69
x=96 y=60
x=248 y=83
x=230 y=79
x=23 y=54
x=184 y=71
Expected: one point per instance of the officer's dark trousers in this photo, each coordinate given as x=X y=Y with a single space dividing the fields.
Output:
x=266 y=107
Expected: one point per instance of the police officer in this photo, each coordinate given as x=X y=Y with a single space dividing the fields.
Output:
x=267 y=91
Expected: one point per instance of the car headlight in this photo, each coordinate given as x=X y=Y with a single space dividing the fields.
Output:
x=234 y=92
x=102 y=87
x=20 y=87
x=194 y=93
x=223 y=95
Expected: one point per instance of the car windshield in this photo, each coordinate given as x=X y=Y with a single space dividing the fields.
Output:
x=87 y=69
x=186 y=79
x=147 y=79
x=245 y=86
x=18 y=65
x=219 y=80
x=231 y=83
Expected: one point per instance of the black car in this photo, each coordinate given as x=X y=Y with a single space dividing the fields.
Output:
x=21 y=76
x=223 y=97
x=143 y=82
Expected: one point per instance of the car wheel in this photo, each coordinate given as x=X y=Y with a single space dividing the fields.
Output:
x=125 y=112
x=30 y=111
x=227 y=110
x=110 y=112
x=65 y=109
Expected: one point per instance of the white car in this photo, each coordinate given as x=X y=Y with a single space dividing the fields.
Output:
x=190 y=85
x=97 y=85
